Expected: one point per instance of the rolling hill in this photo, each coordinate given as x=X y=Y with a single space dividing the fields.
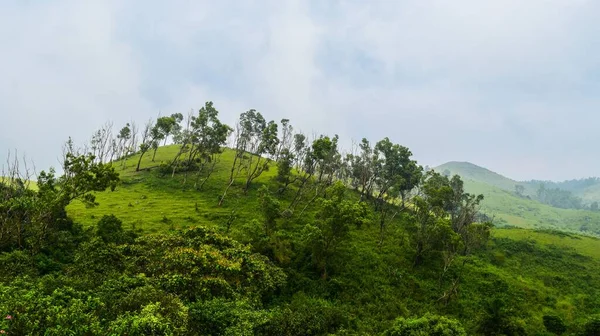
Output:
x=502 y=203
x=542 y=271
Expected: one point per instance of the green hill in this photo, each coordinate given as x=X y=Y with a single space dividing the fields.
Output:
x=469 y=171
x=200 y=268
x=502 y=203
x=544 y=272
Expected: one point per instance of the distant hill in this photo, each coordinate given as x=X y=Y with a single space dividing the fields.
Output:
x=508 y=208
x=587 y=189
x=474 y=172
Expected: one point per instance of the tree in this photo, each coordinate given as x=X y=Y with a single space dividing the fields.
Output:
x=123 y=138
x=431 y=325
x=519 y=190
x=323 y=160
x=463 y=207
x=284 y=170
x=255 y=163
x=394 y=175
x=431 y=225
x=255 y=144
x=594 y=206
x=334 y=218
x=110 y=229
x=271 y=210
x=147 y=141
x=362 y=169
x=208 y=137
x=27 y=217
x=304 y=164
x=100 y=143
x=498 y=318
x=287 y=138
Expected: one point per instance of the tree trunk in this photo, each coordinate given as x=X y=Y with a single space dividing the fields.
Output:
x=225 y=193
x=139 y=161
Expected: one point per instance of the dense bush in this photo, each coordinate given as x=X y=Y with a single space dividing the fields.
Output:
x=429 y=324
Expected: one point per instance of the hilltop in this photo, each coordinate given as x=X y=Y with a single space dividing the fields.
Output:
x=470 y=171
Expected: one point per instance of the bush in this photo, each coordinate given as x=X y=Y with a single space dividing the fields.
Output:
x=306 y=316
x=223 y=317
x=554 y=324
x=432 y=325
x=110 y=229
x=591 y=327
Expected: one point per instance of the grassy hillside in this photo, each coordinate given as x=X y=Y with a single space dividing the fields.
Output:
x=531 y=273
x=522 y=212
x=146 y=200
x=510 y=209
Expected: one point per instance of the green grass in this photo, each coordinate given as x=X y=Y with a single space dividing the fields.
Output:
x=522 y=212
x=587 y=246
x=145 y=200
x=509 y=209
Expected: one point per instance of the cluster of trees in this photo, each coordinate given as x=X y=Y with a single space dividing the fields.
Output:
x=559 y=198
x=570 y=185
x=556 y=197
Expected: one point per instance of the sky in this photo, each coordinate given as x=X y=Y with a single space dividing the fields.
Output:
x=511 y=85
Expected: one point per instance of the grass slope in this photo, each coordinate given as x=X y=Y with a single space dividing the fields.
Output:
x=501 y=202
x=145 y=200
x=538 y=272
x=513 y=210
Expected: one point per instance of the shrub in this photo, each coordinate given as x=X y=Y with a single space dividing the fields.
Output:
x=432 y=325
x=554 y=324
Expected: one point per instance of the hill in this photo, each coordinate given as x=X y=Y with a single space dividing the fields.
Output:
x=155 y=250
x=508 y=208
x=534 y=272
x=469 y=171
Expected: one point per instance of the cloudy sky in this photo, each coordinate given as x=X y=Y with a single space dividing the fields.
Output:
x=512 y=85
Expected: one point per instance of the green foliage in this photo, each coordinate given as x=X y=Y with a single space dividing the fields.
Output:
x=151 y=320
x=335 y=217
x=305 y=315
x=225 y=317
x=431 y=325
x=158 y=285
x=110 y=229
x=591 y=327
x=554 y=324
x=499 y=319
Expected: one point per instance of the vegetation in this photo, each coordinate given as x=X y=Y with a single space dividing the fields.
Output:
x=525 y=204
x=278 y=235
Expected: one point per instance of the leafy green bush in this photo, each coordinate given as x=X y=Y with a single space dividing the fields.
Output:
x=306 y=316
x=554 y=324
x=432 y=325
x=591 y=327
